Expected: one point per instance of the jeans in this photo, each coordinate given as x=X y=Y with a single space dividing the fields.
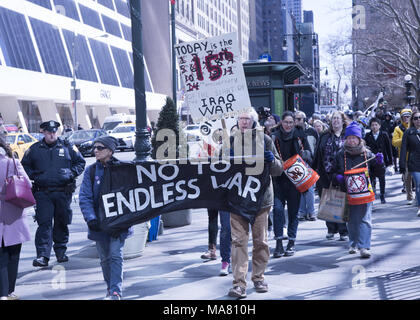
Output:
x=307 y=203
x=9 y=261
x=416 y=177
x=111 y=256
x=285 y=192
x=225 y=237
x=407 y=177
x=213 y=227
x=360 y=226
x=260 y=249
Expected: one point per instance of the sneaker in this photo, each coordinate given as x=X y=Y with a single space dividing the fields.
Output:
x=418 y=213
x=330 y=236
x=210 y=254
x=343 y=238
x=237 y=292
x=12 y=296
x=115 y=296
x=62 y=259
x=290 y=249
x=260 y=286
x=403 y=190
x=352 y=250
x=225 y=269
x=312 y=218
x=4 y=298
x=301 y=218
x=365 y=253
x=410 y=202
x=40 y=262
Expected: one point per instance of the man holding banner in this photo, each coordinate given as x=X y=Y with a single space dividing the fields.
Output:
x=242 y=145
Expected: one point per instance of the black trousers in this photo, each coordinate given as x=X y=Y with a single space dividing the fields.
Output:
x=213 y=225
x=381 y=183
x=9 y=262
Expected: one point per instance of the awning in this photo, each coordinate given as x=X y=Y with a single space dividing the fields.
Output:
x=290 y=70
x=301 y=88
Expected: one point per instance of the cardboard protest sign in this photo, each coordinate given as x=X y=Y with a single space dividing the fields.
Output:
x=213 y=75
x=133 y=193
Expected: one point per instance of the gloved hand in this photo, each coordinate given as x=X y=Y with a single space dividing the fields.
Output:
x=268 y=156
x=339 y=178
x=94 y=225
x=379 y=158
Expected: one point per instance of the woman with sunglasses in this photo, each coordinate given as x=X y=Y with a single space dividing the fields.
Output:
x=110 y=247
x=411 y=145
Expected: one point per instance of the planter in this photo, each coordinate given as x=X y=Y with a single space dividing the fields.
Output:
x=177 y=218
x=135 y=244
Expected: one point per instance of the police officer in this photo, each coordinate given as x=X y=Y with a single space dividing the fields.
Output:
x=53 y=164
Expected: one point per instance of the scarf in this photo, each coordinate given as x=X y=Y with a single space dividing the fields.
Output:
x=285 y=136
x=331 y=149
x=355 y=150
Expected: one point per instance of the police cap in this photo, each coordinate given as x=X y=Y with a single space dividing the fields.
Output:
x=51 y=126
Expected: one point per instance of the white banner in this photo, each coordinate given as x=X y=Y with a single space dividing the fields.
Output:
x=213 y=76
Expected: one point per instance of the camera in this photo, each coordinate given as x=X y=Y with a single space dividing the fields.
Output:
x=263 y=114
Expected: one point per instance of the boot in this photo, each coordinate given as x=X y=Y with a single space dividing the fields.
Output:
x=383 y=199
x=279 y=251
x=290 y=249
x=210 y=254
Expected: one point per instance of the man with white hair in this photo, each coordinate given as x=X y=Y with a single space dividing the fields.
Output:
x=247 y=135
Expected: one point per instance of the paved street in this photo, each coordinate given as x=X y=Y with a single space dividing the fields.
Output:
x=171 y=269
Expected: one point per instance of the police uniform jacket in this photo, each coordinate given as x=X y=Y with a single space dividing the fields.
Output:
x=53 y=166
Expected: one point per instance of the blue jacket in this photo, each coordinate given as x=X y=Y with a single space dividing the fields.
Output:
x=89 y=199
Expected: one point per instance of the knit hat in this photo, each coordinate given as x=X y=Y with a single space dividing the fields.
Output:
x=406 y=112
x=353 y=129
x=110 y=142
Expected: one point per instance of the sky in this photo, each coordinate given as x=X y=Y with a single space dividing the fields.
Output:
x=332 y=18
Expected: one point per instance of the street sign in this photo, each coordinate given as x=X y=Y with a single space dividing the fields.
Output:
x=72 y=97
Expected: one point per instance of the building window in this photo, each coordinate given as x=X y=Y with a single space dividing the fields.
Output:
x=103 y=62
x=67 y=8
x=107 y=3
x=111 y=26
x=122 y=8
x=90 y=17
x=51 y=48
x=16 y=43
x=42 y=3
x=123 y=67
x=126 y=32
x=82 y=57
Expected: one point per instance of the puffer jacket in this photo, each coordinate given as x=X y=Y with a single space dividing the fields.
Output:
x=398 y=135
x=410 y=151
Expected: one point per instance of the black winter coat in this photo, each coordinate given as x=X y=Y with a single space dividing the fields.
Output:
x=411 y=145
x=382 y=144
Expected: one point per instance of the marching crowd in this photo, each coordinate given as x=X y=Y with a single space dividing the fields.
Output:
x=341 y=148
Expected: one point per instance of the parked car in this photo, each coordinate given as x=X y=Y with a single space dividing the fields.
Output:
x=83 y=140
x=37 y=135
x=126 y=135
x=20 y=142
x=193 y=133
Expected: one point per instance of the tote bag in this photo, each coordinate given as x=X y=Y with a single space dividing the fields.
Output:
x=18 y=189
x=332 y=206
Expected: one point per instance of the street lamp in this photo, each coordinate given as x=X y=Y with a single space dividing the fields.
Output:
x=142 y=146
x=75 y=93
x=408 y=84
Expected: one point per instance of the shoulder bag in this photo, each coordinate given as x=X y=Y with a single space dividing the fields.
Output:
x=18 y=189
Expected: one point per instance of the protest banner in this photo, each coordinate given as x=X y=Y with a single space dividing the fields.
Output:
x=133 y=193
x=212 y=73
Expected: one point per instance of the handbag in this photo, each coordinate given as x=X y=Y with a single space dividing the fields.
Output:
x=333 y=206
x=18 y=189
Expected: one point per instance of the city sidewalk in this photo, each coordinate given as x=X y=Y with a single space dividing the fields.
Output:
x=171 y=269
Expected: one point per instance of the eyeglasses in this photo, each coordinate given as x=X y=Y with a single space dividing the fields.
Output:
x=100 y=148
x=416 y=118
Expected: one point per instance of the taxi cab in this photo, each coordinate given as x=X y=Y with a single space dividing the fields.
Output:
x=19 y=142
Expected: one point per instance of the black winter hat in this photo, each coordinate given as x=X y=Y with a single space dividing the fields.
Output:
x=110 y=142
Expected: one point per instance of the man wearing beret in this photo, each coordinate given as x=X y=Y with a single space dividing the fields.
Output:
x=53 y=165
x=109 y=246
